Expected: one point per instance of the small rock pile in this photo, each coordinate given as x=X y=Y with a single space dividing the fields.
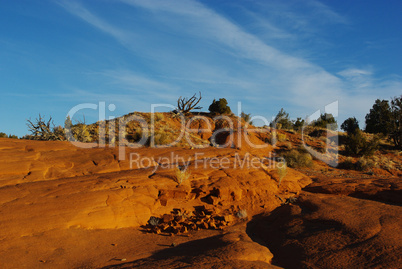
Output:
x=182 y=221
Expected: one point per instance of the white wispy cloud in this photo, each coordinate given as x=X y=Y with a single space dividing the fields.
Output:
x=265 y=28
x=355 y=72
x=215 y=28
x=303 y=82
x=80 y=11
x=221 y=51
x=326 y=13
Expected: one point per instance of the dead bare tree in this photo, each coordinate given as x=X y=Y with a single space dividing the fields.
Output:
x=185 y=105
x=42 y=130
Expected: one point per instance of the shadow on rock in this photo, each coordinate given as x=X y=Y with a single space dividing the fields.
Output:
x=233 y=249
x=330 y=231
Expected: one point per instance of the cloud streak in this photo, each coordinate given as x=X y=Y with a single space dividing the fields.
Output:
x=221 y=51
x=80 y=11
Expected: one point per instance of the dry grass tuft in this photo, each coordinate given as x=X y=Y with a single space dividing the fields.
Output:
x=241 y=214
x=282 y=170
x=182 y=175
x=159 y=116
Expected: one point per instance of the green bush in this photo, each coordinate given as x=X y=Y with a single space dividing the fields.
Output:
x=357 y=144
x=350 y=125
x=298 y=124
x=379 y=119
x=326 y=121
x=282 y=121
x=3 y=135
x=296 y=159
x=386 y=119
x=396 y=132
x=220 y=107
x=246 y=118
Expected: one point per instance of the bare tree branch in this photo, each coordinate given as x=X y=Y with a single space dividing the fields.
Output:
x=42 y=130
x=185 y=105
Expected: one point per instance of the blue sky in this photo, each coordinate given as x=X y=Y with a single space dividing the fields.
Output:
x=299 y=55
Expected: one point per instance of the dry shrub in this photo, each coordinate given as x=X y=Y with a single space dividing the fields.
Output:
x=324 y=139
x=316 y=132
x=154 y=221
x=389 y=166
x=385 y=163
x=134 y=136
x=288 y=145
x=81 y=132
x=281 y=137
x=160 y=138
x=321 y=149
x=163 y=137
x=59 y=132
x=241 y=214
x=275 y=137
x=347 y=164
x=296 y=159
x=364 y=164
x=159 y=116
x=42 y=129
x=302 y=149
x=182 y=175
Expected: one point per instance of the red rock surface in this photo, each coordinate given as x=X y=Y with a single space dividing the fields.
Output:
x=49 y=189
x=232 y=249
x=66 y=207
x=329 y=228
